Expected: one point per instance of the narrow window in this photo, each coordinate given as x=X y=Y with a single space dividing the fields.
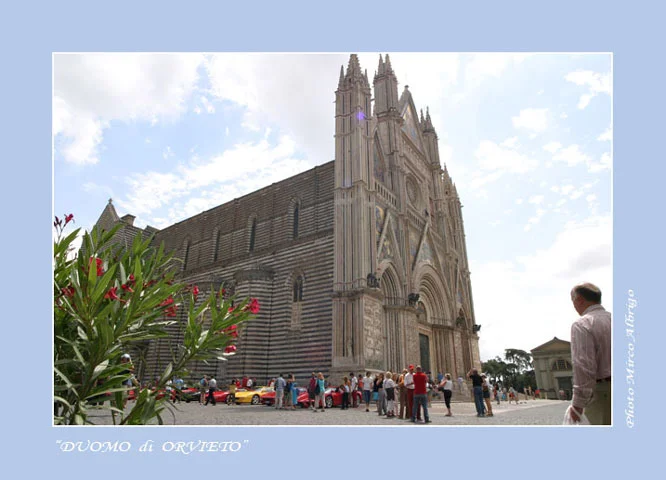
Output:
x=217 y=246
x=253 y=234
x=187 y=254
x=298 y=289
x=295 y=230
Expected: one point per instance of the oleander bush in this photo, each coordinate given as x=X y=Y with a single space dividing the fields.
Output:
x=109 y=298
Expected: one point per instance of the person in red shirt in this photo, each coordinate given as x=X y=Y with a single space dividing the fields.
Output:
x=420 y=395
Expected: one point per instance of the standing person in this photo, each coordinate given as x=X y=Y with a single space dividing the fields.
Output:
x=477 y=385
x=381 y=394
x=591 y=357
x=249 y=383
x=126 y=361
x=512 y=395
x=287 y=393
x=485 y=389
x=203 y=388
x=212 y=386
x=311 y=390
x=231 y=397
x=496 y=391
x=389 y=389
x=446 y=386
x=279 y=391
x=460 y=384
x=294 y=392
x=420 y=395
x=409 y=385
x=402 y=392
x=367 y=390
x=345 y=393
x=353 y=384
x=179 y=383
x=320 y=392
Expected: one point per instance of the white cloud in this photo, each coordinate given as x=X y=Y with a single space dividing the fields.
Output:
x=536 y=199
x=511 y=142
x=552 y=147
x=571 y=155
x=567 y=189
x=580 y=252
x=535 y=219
x=483 y=65
x=494 y=157
x=167 y=153
x=182 y=187
x=603 y=164
x=563 y=115
x=519 y=201
x=607 y=135
x=91 y=90
x=596 y=83
x=535 y=119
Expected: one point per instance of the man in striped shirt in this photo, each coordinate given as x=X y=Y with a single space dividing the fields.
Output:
x=591 y=356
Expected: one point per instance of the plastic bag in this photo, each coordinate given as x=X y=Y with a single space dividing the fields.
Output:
x=568 y=420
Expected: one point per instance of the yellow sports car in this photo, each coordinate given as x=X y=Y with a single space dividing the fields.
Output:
x=252 y=396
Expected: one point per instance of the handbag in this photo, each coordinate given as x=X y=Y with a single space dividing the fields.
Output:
x=375 y=396
x=568 y=419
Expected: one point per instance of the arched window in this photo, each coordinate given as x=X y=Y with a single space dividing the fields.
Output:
x=298 y=289
x=253 y=234
x=295 y=219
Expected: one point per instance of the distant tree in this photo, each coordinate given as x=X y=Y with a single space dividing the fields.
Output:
x=521 y=358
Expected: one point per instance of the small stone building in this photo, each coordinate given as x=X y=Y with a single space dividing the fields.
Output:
x=358 y=264
x=552 y=366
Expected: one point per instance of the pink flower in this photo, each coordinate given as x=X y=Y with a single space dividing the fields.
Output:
x=167 y=302
x=68 y=291
x=231 y=330
x=253 y=306
x=127 y=288
x=111 y=294
x=195 y=291
x=230 y=349
x=99 y=263
x=68 y=218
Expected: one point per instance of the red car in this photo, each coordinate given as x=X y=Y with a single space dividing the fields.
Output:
x=333 y=398
x=303 y=398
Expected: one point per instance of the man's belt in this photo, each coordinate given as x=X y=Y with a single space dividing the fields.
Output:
x=601 y=380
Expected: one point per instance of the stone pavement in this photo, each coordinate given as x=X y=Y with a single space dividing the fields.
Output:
x=532 y=412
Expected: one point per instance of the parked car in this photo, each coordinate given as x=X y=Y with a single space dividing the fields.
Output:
x=303 y=399
x=333 y=397
x=252 y=396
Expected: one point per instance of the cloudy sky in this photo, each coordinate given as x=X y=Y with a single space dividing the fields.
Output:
x=526 y=138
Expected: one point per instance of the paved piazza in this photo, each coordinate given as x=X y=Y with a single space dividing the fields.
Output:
x=533 y=412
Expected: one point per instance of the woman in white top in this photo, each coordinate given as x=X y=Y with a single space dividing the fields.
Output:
x=389 y=389
x=446 y=386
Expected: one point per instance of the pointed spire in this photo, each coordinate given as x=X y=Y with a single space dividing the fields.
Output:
x=381 y=68
x=365 y=76
x=354 y=67
x=428 y=121
x=388 y=64
x=422 y=121
x=342 y=76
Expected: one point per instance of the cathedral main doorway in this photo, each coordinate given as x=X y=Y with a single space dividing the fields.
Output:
x=424 y=347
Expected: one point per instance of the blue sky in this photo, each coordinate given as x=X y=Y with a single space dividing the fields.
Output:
x=526 y=138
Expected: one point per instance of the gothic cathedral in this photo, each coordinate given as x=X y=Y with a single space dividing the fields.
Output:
x=359 y=264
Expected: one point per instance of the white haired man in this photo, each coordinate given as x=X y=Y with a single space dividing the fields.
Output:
x=591 y=356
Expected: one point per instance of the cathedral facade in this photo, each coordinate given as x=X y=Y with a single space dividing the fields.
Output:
x=359 y=264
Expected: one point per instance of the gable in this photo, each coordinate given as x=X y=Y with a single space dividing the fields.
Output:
x=411 y=126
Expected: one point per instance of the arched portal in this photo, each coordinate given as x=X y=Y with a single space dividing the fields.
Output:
x=393 y=339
